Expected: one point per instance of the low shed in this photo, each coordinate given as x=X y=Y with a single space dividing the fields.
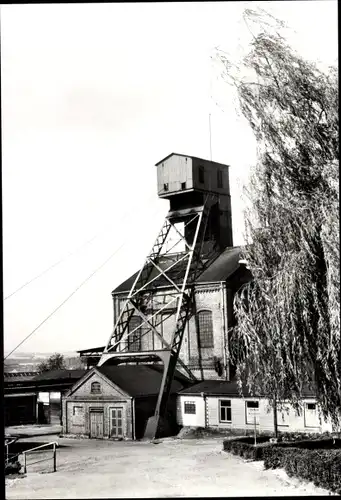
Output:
x=219 y=405
x=116 y=401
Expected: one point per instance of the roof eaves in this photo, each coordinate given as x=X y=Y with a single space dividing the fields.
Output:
x=171 y=154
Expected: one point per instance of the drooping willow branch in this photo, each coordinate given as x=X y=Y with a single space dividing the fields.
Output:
x=287 y=337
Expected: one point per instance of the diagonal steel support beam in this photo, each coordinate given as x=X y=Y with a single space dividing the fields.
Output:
x=165 y=275
x=158 y=276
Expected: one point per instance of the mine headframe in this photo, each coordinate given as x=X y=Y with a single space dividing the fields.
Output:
x=191 y=224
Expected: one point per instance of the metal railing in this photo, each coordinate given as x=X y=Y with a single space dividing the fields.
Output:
x=54 y=445
x=7 y=443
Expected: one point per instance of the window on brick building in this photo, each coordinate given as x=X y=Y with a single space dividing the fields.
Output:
x=77 y=411
x=205 y=325
x=134 y=340
x=189 y=407
x=95 y=388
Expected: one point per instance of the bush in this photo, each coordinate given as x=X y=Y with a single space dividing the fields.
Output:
x=245 y=448
x=203 y=432
x=313 y=444
x=322 y=467
x=304 y=436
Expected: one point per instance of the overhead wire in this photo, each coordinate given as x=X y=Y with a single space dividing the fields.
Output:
x=71 y=294
x=73 y=252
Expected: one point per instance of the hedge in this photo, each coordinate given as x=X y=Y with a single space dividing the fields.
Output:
x=312 y=444
x=245 y=448
x=322 y=467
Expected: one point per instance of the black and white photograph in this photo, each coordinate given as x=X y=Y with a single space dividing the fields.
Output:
x=171 y=249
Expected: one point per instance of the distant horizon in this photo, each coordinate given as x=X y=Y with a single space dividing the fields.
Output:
x=18 y=354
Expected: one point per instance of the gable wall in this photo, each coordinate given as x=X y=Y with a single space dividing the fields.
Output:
x=80 y=424
x=77 y=421
x=107 y=390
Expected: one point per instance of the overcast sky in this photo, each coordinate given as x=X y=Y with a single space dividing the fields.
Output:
x=93 y=95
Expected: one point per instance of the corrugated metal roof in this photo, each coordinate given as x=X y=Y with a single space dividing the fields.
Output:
x=221 y=269
x=140 y=380
x=19 y=376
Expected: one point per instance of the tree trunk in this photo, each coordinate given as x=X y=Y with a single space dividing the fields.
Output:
x=275 y=417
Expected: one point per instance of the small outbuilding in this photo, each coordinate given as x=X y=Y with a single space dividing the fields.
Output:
x=218 y=405
x=115 y=402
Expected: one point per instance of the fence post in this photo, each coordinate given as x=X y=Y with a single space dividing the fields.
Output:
x=54 y=458
x=25 y=468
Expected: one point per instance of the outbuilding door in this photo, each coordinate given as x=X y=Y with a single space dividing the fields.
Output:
x=96 y=424
x=116 y=422
x=310 y=415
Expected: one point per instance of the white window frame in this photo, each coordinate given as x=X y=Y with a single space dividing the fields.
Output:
x=190 y=403
x=219 y=409
x=246 y=413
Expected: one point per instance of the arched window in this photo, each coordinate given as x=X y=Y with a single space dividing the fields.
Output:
x=134 y=340
x=95 y=388
x=205 y=325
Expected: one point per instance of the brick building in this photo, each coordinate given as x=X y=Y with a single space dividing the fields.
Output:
x=116 y=401
x=205 y=345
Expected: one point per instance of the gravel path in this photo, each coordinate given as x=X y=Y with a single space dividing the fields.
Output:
x=172 y=468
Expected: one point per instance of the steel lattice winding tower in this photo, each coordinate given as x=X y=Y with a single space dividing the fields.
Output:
x=200 y=221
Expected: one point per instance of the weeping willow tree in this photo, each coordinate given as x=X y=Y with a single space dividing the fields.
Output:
x=288 y=318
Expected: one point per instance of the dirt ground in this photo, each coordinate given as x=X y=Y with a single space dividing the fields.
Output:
x=33 y=430
x=171 y=468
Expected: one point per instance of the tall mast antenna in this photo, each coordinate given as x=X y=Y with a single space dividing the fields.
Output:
x=209 y=125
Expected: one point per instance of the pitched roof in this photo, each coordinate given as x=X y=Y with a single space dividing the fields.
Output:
x=216 y=388
x=224 y=388
x=91 y=350
x=19 y=376
x=221 y=269
x=188 y=156
x=140 y=380
x=60 y=375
